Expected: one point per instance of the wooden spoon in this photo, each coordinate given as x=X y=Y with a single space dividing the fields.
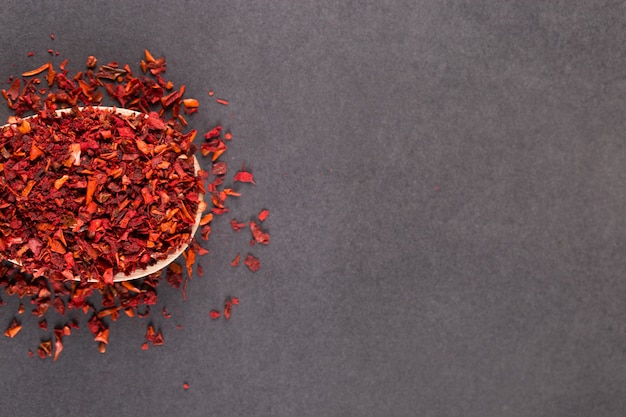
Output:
x=139 y=273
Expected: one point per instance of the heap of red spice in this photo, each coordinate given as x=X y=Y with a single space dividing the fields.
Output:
x=90 y=194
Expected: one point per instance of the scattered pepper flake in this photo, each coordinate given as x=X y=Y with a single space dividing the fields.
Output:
x=52 y=284
x=235 y=261
x=13 y=329
x=222 y=101
x=228 y=307
x=237 y=226
x=252 y=263
x=244 y=176
x=215 y=314
x=36 y=70
x=263 y=215
x=258 y=234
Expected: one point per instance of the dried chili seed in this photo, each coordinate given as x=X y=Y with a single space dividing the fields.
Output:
x=219 y=168
x=252 y=263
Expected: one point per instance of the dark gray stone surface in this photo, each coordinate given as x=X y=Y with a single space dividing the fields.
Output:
x=446 y=186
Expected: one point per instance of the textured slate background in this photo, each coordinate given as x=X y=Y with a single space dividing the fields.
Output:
x=446 y=186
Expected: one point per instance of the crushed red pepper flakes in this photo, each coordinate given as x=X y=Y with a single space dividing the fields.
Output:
x=244 y=176
x=45 y=349
x=214 y=314
x=84 y=88
x=222 y=101
x=98 y=238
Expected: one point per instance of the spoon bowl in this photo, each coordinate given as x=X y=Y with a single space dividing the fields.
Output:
x=160 y=264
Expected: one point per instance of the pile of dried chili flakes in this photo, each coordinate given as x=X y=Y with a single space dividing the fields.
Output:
x=90 y=194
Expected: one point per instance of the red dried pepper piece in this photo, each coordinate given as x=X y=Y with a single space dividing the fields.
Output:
x=13 y=329
x=235 y=261
x=244 y=176
x=58 y=343
x=219 y=168
x=45 y=349
x=263 y=215
x=258 y=234
x=237 y=226
x=158 y=339
x=215 y=314
x=228 y=307
x=252 y=263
